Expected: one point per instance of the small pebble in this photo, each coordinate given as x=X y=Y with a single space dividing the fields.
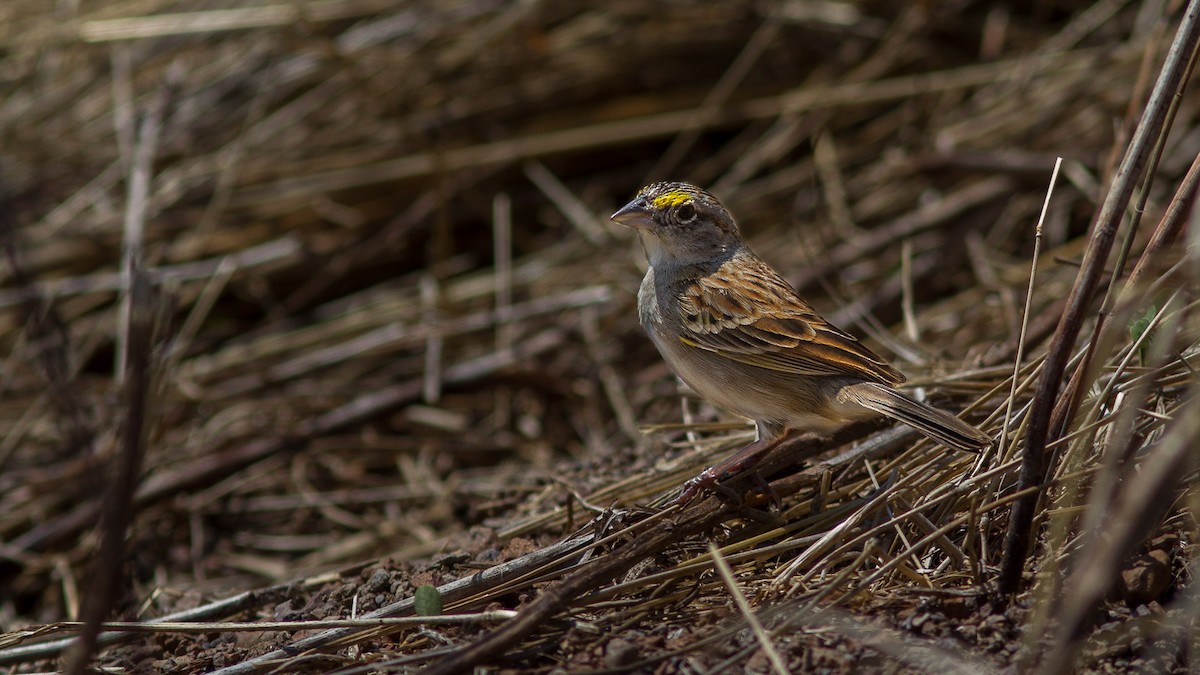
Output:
x=620 y=653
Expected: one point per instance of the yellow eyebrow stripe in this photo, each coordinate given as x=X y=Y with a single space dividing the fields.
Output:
x=674 y=198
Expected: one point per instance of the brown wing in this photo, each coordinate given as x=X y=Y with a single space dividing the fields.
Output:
x=746 y=312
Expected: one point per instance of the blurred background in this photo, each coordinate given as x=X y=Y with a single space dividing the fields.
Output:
x=391 y=317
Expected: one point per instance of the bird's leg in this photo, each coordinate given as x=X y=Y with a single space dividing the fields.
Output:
x=736 y=463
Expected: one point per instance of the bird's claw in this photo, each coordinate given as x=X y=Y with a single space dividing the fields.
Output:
x=705 y=480
x=709 y=480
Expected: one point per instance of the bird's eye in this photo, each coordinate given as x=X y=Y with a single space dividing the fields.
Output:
x=686 y=213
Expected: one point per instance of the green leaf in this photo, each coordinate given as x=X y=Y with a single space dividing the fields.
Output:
x=1139 y=326
x=427 y=601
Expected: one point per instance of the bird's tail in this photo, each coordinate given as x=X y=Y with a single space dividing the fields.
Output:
x=936 y=424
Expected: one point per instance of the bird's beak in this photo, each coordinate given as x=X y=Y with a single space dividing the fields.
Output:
x=635 y=215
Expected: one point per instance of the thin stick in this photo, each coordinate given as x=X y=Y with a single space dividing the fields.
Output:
x=911 y=330
x=503 y=278
x=222 y=20
x=1020 y=357
x=610 y=380
x=190 y=627
x=118 y=499
x=1017 y=539
x=1168 y=228
x=431 y=390
x=576 y=212
x=134 y=341
x=747 y=611
x=135 y=220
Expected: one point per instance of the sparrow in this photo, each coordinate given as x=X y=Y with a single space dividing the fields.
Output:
x=740 y=336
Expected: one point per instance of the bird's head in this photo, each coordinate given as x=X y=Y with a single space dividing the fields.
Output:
x=680 y=224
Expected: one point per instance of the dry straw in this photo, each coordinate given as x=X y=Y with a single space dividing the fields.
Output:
x=391 y=339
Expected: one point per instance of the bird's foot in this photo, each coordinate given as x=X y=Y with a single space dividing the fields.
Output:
x=738 y=462
x=709 y=481
x=705 y=481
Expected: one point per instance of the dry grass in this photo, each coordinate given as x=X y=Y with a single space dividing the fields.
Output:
x=334 y=280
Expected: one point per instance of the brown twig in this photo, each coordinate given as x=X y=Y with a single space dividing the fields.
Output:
x=1168 y=229
x=1017 y=539
x=118 y=500
x=135 y=344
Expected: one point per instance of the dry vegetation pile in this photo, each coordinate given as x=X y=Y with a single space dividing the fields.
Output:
x=335 y=281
